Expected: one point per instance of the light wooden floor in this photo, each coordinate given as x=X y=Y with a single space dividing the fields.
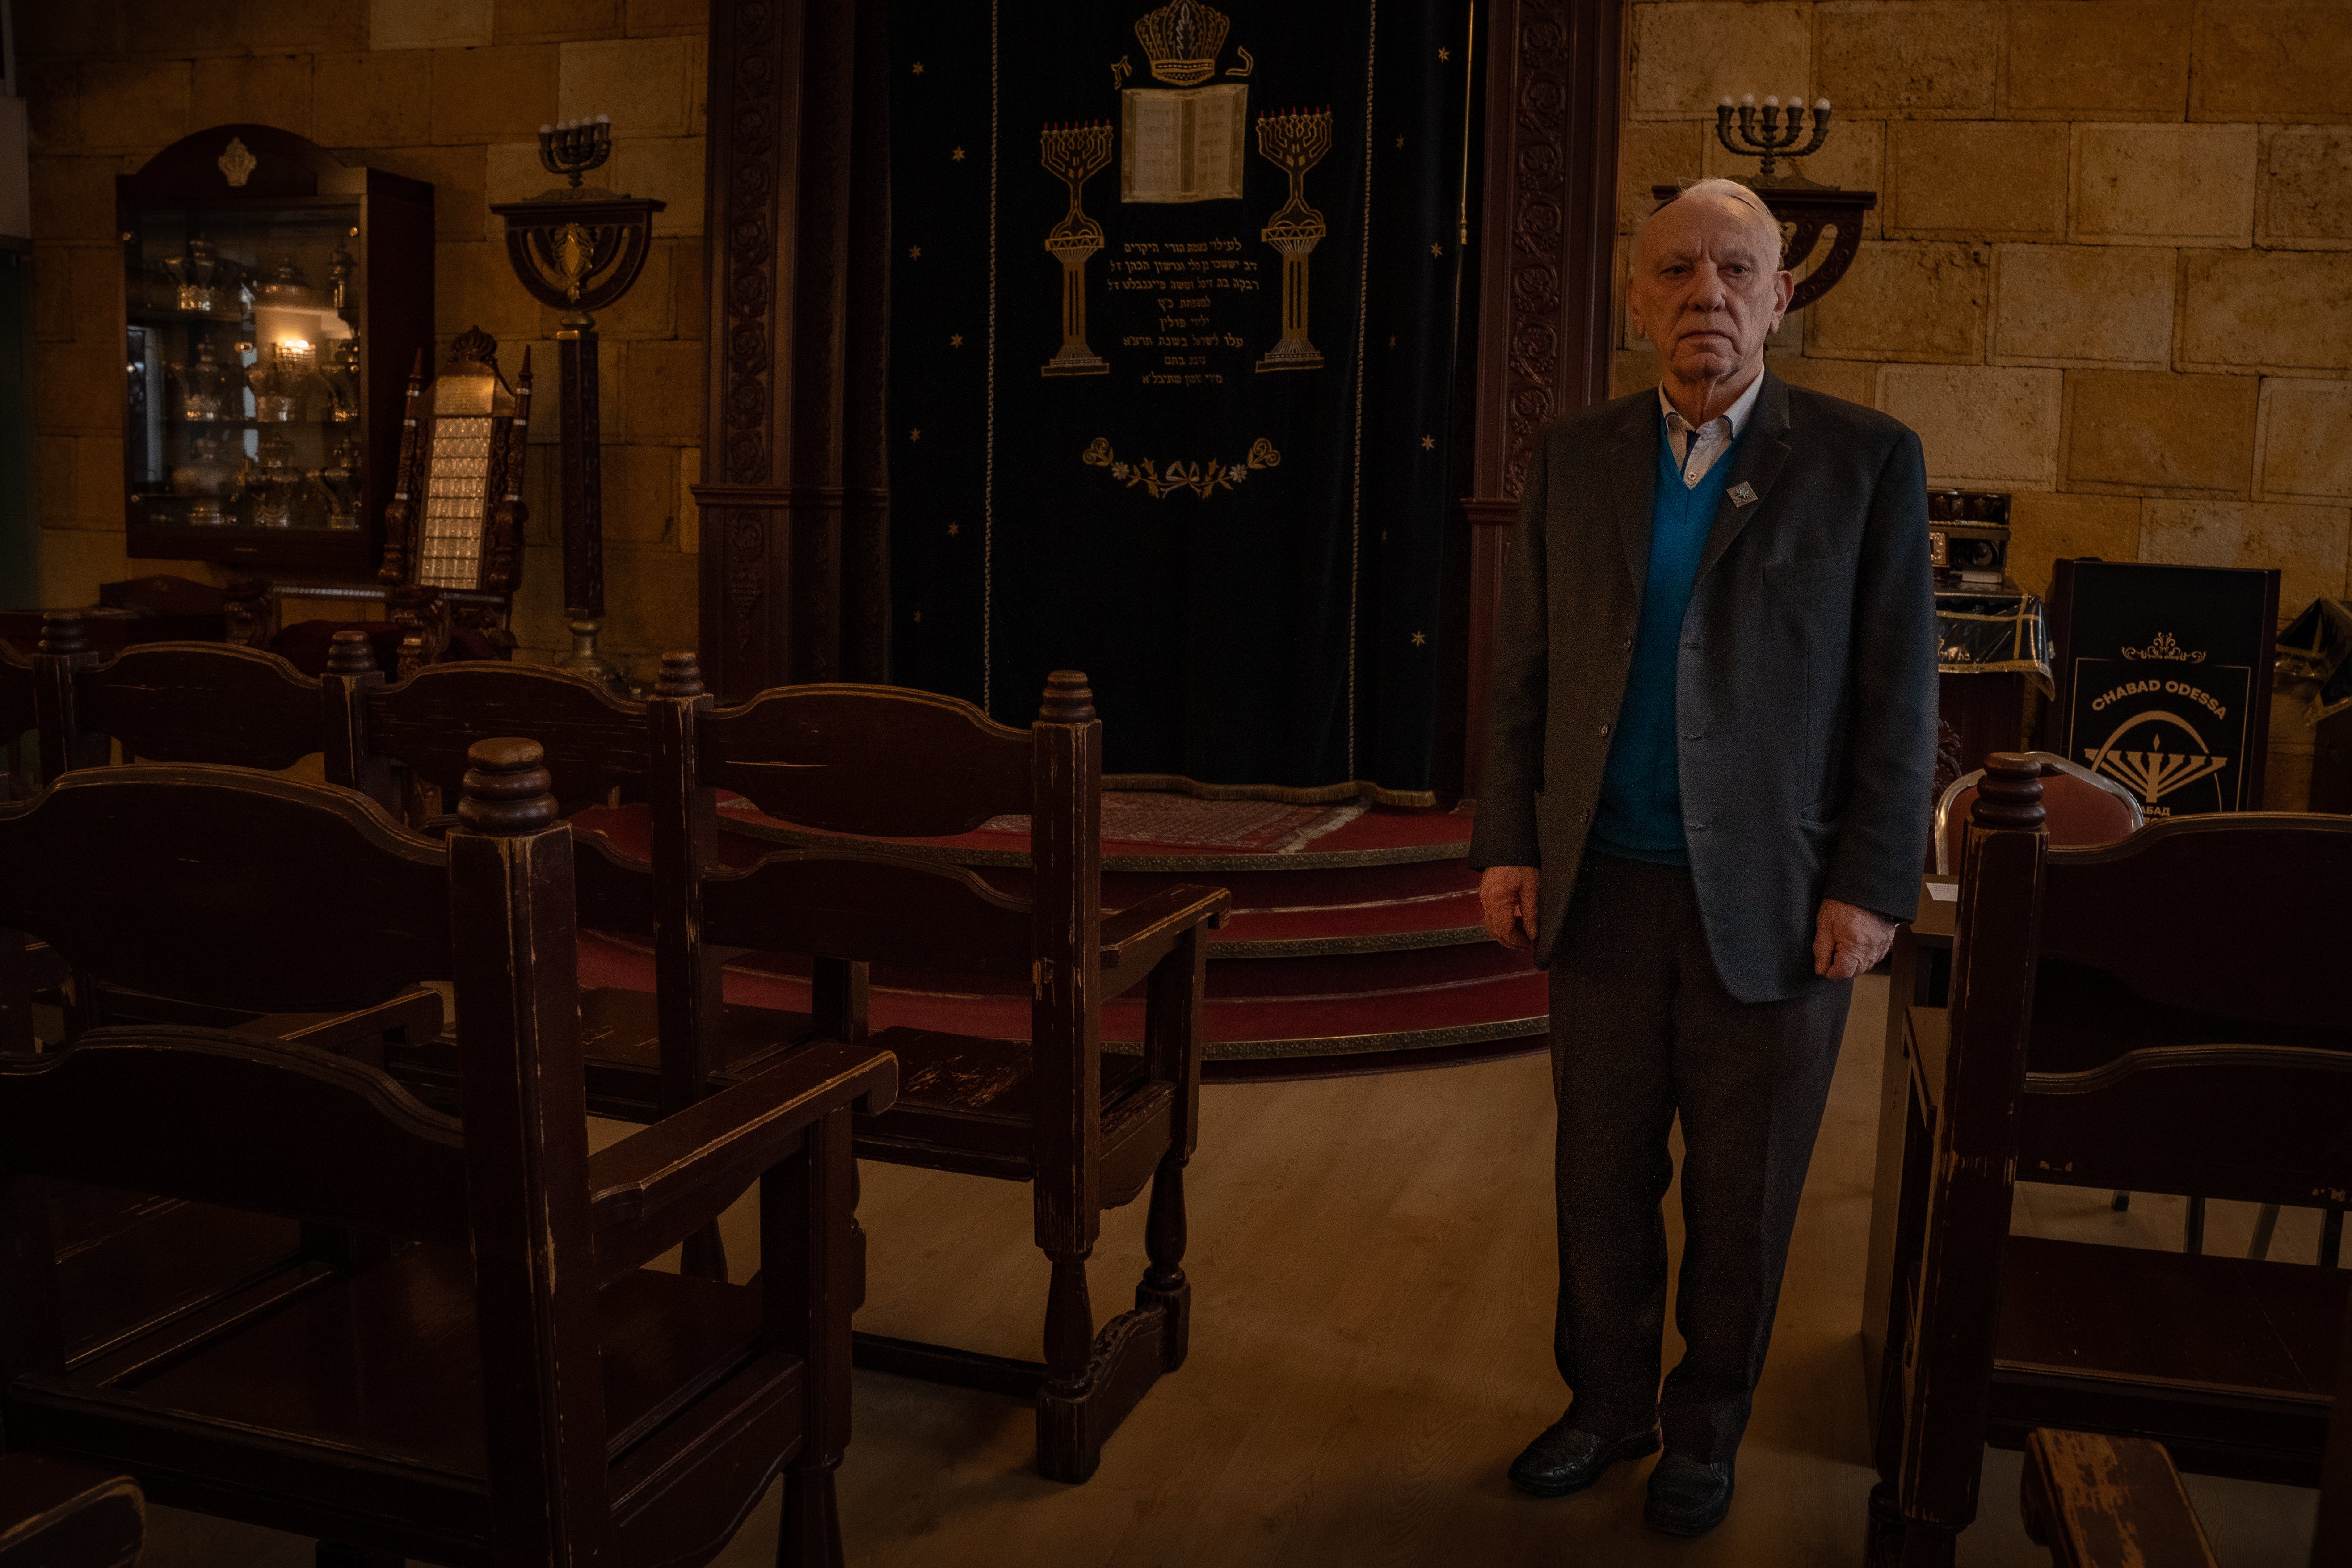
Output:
x=1373 y=1274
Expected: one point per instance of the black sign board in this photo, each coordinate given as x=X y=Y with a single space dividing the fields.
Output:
x=2164 y=679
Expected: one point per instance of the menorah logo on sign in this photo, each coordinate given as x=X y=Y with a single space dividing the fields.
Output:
x=2154 y=773
x=2175 y=748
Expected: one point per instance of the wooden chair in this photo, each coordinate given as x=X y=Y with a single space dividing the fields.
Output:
x=444 y=1404
x=201 y=702
x=1088 y=1131
x=2079 y=807
x=404 y=746
x=2162 y=1014
x=869 y=761
x=58 y=1514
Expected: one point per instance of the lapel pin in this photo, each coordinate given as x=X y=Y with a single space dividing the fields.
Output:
x=1743 y=494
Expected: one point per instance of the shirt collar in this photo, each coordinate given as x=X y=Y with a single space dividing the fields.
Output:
x=1737 y=413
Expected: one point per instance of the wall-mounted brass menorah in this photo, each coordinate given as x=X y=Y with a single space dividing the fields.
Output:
x=1074 y=153
x=1762 y=133
x=1294 y=141
x=576 y=249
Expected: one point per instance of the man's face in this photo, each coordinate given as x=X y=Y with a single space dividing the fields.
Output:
x=1707 y=288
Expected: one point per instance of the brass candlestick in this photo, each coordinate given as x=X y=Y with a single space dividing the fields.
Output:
x=578 y=249
x=1295 y=141
x=1074 y=153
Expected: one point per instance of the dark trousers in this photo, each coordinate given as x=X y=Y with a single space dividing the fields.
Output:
x=1643 y=1030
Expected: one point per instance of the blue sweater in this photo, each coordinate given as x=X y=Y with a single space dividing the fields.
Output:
x=1640 y=812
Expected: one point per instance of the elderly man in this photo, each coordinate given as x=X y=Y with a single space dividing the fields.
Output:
x=1704 y=808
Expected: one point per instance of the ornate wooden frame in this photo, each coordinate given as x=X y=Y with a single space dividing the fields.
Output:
x=1549 y=236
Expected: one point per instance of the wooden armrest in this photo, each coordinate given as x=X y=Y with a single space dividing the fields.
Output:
x=650 y=1190
x=53 y=1511
x=415 y=1013
x=1139 y=936
x=1927 y=1043
x=2098 y=1501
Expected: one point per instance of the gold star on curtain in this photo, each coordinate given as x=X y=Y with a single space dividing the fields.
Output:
x=1429 y=443
x=914 y=253
x=955 y=340
x=1446 y=54
x=1437 y=251
x=954 y=528
x=1400 y=140
x=914 y=434
x=1420 y=639
x=919 y=68
x=957 y=155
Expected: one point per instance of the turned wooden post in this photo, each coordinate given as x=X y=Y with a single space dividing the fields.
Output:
x=351 y=674
x=1948 y=1362
x=1065 y=1035
x=811 y=1275
x=516 y=968
x=688 y=1001
x=1172 y=1049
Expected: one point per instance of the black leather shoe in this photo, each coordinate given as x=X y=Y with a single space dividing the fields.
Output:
x=1687 y=1497
x=1565 y=1459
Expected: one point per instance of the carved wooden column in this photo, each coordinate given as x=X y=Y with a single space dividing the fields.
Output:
x=1549 y=236
x=796 y=346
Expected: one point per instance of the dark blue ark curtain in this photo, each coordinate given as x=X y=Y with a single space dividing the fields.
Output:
x=1173 y=324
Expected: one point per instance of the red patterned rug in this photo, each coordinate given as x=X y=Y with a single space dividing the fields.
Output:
x=1140 y=817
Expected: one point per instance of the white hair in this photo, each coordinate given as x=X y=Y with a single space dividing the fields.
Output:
x=1741 y=195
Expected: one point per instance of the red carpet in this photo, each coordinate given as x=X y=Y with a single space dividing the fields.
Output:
x=1355 y=942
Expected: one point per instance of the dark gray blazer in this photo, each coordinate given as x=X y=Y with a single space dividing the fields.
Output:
x=1806 y=698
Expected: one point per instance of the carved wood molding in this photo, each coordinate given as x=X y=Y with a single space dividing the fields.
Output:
x=1549 y=233
x=795 y=344
x=1550 y=201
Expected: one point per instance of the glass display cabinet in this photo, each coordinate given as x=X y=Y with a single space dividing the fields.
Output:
x=274 y=298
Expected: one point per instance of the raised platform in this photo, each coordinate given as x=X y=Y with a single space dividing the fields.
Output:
x=1355 y=946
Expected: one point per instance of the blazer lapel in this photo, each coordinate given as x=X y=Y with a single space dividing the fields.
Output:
x=1756 y=463
x=1636 y=476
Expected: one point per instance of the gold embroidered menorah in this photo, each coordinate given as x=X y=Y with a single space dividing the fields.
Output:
x=1294 y=141
x=1074 y=153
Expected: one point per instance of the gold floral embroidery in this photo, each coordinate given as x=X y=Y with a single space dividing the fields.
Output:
x=1204 y=478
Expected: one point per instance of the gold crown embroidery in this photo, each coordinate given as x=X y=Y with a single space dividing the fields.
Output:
x=1182 y=40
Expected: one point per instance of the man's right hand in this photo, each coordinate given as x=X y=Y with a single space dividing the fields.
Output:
x=1507 y=896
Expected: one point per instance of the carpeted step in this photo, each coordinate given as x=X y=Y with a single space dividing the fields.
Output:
x=1356 y=935
x=1409 y=1016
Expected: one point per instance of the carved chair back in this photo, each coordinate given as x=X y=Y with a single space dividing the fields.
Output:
x=2229 y=1077
x=248 y=887
x=595 y=741
x=170 y=702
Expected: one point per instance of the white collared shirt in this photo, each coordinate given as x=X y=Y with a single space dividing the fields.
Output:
x=1714 y=437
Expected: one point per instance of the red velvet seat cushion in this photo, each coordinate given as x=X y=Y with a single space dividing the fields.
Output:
x=2075 y=813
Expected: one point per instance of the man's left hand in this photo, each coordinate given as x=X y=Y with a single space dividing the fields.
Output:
x=1849 y=940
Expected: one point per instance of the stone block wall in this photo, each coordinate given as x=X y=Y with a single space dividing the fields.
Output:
x=2111 y=265
x=452 y=91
